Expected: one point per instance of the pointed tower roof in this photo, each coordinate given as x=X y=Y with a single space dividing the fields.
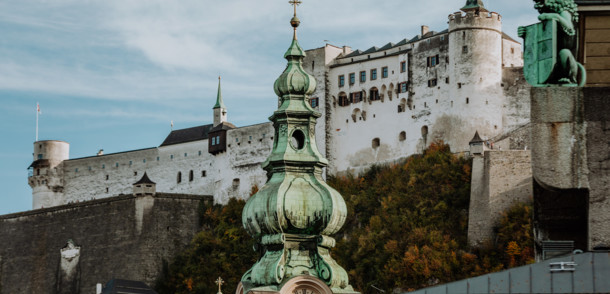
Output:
x=476 y=138
x=476 y=5
x=144 y=180
x=219 y=102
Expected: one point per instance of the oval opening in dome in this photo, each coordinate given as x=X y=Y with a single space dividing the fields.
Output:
x=298 y=140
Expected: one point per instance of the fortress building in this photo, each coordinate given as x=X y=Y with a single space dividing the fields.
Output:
x=376 y=106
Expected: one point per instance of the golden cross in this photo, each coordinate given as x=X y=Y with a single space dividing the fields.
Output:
x=295 y=3
x=219 y=282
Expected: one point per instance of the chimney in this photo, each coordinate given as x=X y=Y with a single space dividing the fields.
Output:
x=347 y=50
x=424 y=30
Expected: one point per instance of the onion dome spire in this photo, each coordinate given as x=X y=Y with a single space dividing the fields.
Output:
x=293 y=216
x=294 y=79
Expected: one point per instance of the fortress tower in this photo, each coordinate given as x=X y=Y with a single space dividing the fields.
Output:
x=475 y=66
x=46 y=172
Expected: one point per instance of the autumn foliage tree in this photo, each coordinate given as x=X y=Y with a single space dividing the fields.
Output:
x=406 y=229
x=407 y=226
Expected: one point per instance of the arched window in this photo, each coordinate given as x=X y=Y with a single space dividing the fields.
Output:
x=375 y=143
x=402 y=107
x=424 y=133
x=191 y=176
x=402 y=136
x=343 y=101
x=374 y=94
x=179 y=177
x=356 y=115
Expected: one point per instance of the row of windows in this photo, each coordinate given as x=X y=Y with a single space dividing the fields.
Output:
x=373 y=73
x=356 y=97
x=116 y=164
x=191 y=176
x=376 y=142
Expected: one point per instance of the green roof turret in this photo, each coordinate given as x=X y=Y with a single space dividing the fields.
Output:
x=219 y=102
x=293 y=215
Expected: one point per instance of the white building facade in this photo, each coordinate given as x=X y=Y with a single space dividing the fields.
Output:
x=377 y=106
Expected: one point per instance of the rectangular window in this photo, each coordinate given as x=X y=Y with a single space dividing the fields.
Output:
x=363 y=76
x=144 y=160
x=404 y=87
x=213 y=141
x=184 y=154
x=465 y=49
x=314 y=103
x=432 y=83
x=384 y=72
x=403 y=66
x=217 y=140
x=356 y=97
x=341 y=80
x=202 y=173
x=39 y=156
x=433 y=61
x=199 y=152
x=158 y=158
x=352 y=78
x=116 y=164
x=373 y=74
x=130 y=163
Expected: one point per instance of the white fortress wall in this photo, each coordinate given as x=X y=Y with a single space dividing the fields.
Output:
x=239 y=168
x=356 y=125
x=184 y=158
x=100 y=177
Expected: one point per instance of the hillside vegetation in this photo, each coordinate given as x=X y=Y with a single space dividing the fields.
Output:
x=406 y=229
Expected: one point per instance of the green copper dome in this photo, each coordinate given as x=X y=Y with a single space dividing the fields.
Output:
x=294 y=79
x=293 y=215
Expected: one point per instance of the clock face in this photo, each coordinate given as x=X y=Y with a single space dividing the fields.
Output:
x=304 y=291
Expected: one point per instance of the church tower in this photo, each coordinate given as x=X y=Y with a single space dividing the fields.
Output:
x=293 y=216
x=220 y=110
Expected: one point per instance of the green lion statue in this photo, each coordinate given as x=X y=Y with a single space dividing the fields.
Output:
x=551 y=44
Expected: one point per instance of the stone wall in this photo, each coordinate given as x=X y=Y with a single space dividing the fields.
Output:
x=499 y=180
x=571 y=164
x=119 y=237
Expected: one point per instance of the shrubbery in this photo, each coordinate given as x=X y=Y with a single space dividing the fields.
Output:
x=406 y=229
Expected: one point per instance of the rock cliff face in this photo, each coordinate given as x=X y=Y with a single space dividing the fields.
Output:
x=70 y=248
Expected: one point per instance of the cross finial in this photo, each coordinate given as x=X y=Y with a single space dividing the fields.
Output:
x=295 y=3
x=219 y=282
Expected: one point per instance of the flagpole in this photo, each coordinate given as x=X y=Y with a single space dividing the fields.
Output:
x=37 y=111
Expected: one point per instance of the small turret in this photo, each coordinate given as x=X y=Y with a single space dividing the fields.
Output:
x=45 y=174
x=220 y=110
x=144 y=187
x=477 y=145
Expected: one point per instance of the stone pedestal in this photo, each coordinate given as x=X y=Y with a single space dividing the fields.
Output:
x=571 y=164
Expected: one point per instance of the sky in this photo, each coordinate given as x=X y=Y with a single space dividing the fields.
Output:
x=112 y=74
